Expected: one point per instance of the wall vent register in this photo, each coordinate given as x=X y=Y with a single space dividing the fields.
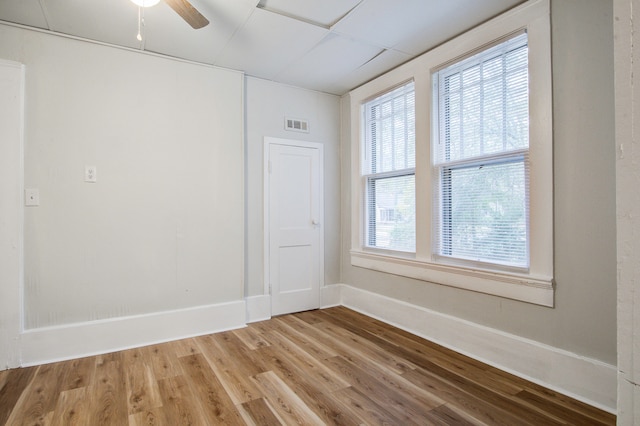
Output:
x=296 y=125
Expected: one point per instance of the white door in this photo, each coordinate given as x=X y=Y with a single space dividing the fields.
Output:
x=294 y=216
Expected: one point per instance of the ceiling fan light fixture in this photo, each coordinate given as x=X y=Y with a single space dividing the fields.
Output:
x=145 y=3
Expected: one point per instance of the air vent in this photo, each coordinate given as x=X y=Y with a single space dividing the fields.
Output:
x=296 y=125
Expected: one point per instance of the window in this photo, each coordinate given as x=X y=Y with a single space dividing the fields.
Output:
x=389 y=170
x=481 y=156
x=452 y=173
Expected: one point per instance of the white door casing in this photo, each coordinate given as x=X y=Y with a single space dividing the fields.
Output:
x=294 y=267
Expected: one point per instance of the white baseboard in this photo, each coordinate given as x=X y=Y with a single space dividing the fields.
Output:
x=585 y=379
x=330 y=295
x=50 y=344
x=258 y=308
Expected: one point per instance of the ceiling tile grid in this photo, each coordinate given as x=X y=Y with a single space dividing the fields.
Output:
x=329 y=45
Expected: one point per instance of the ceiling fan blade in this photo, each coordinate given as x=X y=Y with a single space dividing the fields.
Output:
x=188 y=13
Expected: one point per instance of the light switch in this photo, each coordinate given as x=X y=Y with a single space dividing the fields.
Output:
x=31 y=197
x=90 y=174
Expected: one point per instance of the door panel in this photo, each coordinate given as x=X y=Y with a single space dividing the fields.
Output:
x=295 y=268
x=295 y=214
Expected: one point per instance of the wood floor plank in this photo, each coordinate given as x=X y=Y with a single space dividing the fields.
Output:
x=347 y=341
x=184 y=347
x=163 y=361
x=142 y=387
x=43 y=395
x=285 y=401
x=215 y=403
x=341 y=342
x=108 y=395
x=366 y=409
x=251 y=337
x=558 y=410
x=333 y=367
x=12 y=387
x=570 y=403
x=408 y=408
x=234 y=348
x=379 y=366
x=151 y=417
x=305 y=335
x=78 y=373
x=260 y=412
x=72 y=408
x=234 y=378
x=446 y=416
x=179 y=403
x=473 y=403
x=313 y=369
x=317 y=397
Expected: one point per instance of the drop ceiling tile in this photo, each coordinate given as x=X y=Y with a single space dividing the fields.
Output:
x=325 y=12
x=268 y=43
x=114 y=21
x=447 y=23
x=403 y=25
x=385 y=23
x=25 y=12
x=171 y=35
x=330 y=60
x=387 y=60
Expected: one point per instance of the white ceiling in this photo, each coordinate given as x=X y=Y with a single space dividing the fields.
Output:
x=327 y=45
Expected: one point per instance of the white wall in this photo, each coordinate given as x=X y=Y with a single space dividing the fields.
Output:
x=160 y=237
x=11 y=210
x=162 y=229
x=583 y=321
x=267 y=104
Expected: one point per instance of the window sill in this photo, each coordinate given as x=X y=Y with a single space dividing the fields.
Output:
x=522 y=287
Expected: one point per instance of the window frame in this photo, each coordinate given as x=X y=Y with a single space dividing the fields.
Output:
x=535 y=285
x=440 y=165
x=368 y=174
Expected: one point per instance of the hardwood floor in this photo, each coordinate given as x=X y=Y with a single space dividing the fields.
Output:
x=333 y=366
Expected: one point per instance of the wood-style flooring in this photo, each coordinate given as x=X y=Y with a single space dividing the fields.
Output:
x=332 y=366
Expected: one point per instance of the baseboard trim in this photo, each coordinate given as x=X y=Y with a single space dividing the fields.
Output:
x=258 y=308
x=330 y=296
x=52 y=344
x=587 y=380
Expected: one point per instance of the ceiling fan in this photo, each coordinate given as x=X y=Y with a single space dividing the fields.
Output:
x=183 y=8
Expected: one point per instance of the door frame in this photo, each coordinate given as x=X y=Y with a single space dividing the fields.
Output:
x=268 y=141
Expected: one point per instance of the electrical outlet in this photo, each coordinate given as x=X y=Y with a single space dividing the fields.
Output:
x=90 y=174
x=31 y=197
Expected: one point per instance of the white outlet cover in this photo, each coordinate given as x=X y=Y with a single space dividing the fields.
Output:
x=90 y=174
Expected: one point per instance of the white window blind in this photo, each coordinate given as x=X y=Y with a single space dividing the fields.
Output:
x=481 y=157
x=389 y=170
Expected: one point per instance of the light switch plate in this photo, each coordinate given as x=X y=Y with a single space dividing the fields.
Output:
x=31 y=197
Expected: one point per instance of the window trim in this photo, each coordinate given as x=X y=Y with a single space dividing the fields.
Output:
x=368 y=174
x=535 y=286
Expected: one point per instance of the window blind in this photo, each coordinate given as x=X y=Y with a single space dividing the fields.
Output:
x=482 y=156
x=484 y=102
x=389 y=170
